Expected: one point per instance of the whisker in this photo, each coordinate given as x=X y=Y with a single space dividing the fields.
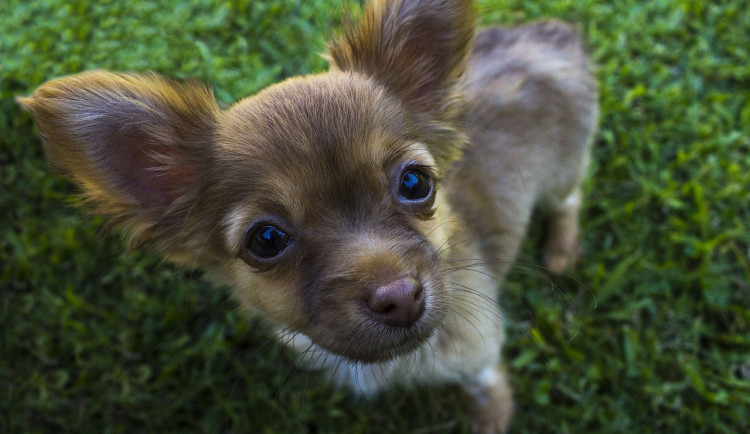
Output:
x=484 y=311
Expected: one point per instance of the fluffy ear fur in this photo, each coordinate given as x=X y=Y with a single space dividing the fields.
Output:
x=416 y=48
x=136 y=144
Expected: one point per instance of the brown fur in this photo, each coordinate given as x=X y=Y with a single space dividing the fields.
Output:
x=499 y=127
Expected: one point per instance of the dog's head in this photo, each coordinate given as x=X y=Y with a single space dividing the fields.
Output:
x=318 y=200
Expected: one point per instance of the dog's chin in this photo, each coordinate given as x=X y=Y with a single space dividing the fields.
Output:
x=379 y=344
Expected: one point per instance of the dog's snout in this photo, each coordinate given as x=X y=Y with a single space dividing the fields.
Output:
x=397 y=304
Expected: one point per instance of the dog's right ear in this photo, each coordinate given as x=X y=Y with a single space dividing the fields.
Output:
x=417 y=49
x=136 y=144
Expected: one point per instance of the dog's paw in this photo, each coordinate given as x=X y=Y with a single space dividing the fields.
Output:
x=558 y=259
x=490 y=401
x=490 y=425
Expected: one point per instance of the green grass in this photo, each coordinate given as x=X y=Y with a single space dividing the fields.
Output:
x=650 y=333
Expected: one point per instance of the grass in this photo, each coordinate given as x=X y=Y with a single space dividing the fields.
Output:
x=649 y=332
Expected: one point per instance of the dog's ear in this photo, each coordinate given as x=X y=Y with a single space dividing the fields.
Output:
x=416 y=48
x=137 y=145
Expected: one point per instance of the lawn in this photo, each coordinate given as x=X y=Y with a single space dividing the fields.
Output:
x=649 y=333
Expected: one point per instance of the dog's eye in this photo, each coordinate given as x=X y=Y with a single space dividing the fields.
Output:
x=267 y=241
x=414 y=185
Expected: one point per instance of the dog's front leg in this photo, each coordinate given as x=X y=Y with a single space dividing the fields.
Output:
x=473 y=339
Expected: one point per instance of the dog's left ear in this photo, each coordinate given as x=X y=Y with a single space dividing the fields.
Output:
x=416 y=48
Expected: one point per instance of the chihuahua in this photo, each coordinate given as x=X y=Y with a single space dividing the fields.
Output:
x=370 y=211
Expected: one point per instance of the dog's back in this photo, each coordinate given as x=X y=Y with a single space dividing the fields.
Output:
x=531 y=114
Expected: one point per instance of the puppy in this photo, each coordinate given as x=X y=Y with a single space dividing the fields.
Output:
x=372 y=211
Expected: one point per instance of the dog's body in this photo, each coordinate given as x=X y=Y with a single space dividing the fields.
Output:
x=370 y=211
x=531 y=111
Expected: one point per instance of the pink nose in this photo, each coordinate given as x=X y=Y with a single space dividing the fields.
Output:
x=397 y=304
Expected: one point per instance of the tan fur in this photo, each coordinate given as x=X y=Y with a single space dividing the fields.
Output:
x=499 y=127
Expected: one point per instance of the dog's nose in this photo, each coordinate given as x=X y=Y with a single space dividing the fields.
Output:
x=397 y=304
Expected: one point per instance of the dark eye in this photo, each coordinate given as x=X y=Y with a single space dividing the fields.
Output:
x=414 y=185
x=267 y=241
